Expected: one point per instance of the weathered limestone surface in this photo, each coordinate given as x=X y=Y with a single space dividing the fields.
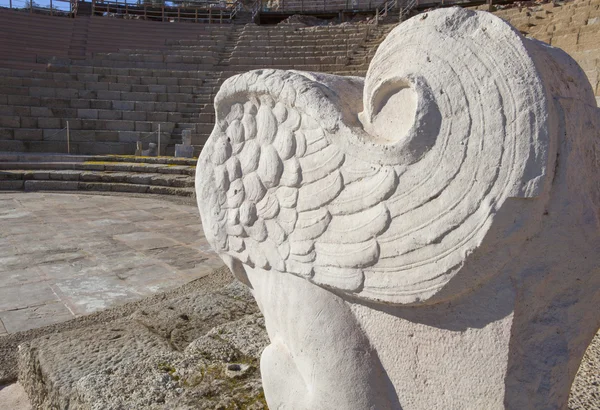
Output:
x=185 y=149
x=427 y=237
x=219 y=348
x=197 y=349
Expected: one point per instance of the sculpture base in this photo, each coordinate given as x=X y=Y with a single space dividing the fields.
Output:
x=184 y=151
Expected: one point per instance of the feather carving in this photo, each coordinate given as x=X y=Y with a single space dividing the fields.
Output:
x=321 y=177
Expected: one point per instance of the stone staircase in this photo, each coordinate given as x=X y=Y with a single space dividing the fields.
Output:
x=56 y=172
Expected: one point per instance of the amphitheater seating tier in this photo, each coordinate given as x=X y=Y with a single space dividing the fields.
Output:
x=120 y=80
x=113 y=99
x=140 y=175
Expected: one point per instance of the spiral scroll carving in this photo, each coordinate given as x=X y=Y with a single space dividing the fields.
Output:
x=385 y=201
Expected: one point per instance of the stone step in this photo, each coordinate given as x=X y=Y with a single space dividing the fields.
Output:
x=102 y=63
x=83 y=123
x=45 y=116
x=56 y=185
x=282 y=48
x=160 y=55
x=22 y=105
x=27 y=77
x=53 y=157
x=119 y=177
x=147 y=72
x=66 y=94
x=112 y=166
x=45 y=87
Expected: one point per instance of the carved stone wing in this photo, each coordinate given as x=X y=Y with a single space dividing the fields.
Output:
x=384 y=188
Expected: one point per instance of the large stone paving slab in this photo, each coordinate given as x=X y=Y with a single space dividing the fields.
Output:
x=67 y=255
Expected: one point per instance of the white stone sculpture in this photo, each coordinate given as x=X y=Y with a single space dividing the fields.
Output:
x=423 y=238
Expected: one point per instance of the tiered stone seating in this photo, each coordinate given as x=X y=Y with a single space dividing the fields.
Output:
x=30 y=40
x=36 y=172
x=111 y=100
x=325 y=49
x=107 y=113
x=27 y=36
x=572 y=26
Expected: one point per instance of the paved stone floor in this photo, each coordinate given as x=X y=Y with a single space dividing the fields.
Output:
x=66 y=255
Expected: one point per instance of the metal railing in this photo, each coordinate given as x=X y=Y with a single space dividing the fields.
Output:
x=288 y=6
x=384 y=8
x=205 y=12
x=255 y=9
x=406 y=8
x=53 y=7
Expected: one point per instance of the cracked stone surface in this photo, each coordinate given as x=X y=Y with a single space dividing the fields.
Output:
x=196 y=350
x=67 y=255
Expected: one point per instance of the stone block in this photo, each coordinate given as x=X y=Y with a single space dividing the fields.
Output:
x=23 y=100
x=128 y=136
x=131 y=96
x=564 y=42
x=87 y=114
x=88 y=94
x=82 y=136
x=109 y=95
x=165 y=127
x=80 y=103
x=143 y=106
x=156 y=116
x=74 y=124
x=93 y=124
x=143 y=126
x=67 y=93
x=186 y=137
x=10 y=121
x=29 y=122
x=10 y=90
x=54 y=134
x=88 y=78
x=120 y=125
x=34 y=185
x=589 y=38
x=103 y=104
x=157 y=88
x=119 y=87
x=7 y=133
x=167 y=80
x=110 y=114
x=42 y=92
x=107 y=136
x=45 y=122
x=7 y=110
x=148 y=80
x=184 y=151
x=11 y=186
x=165 y=106
x=134 y=115
x=123 y=105
x=24 y=134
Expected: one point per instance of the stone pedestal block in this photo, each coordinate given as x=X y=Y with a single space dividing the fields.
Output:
x=185 y=149
x=151 y=151
x=426 y=237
